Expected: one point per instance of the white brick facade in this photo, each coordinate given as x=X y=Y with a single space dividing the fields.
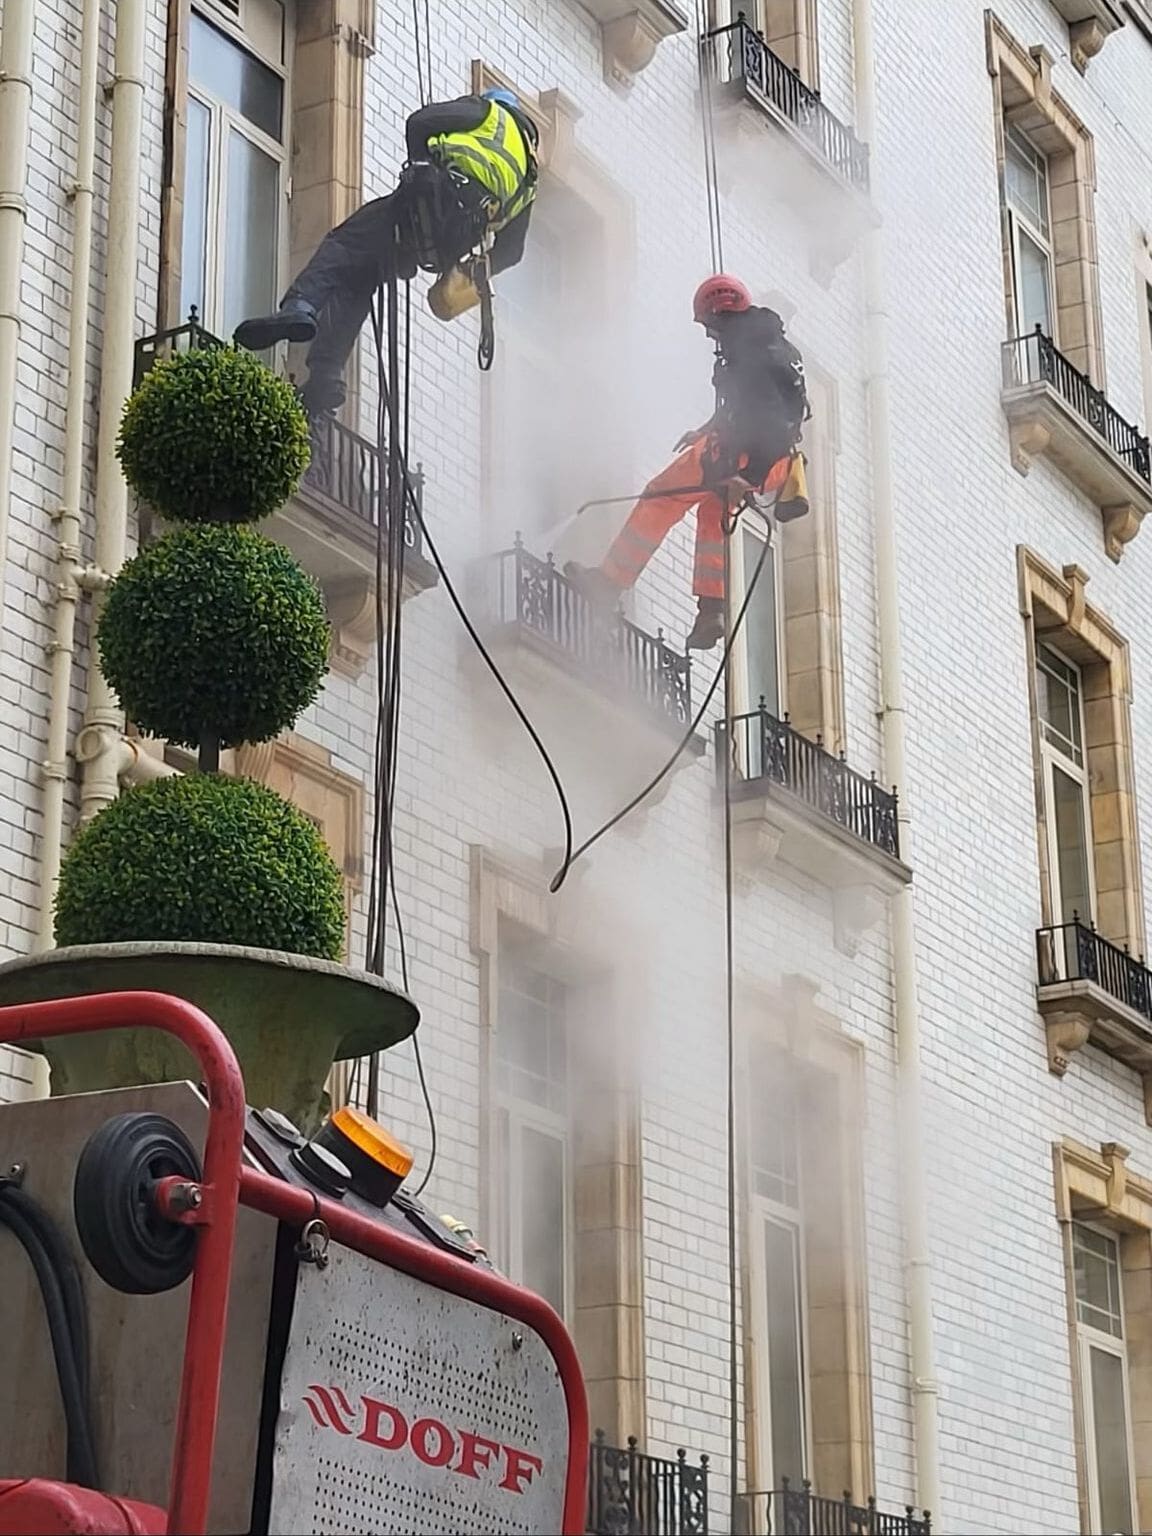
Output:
x=468 y=779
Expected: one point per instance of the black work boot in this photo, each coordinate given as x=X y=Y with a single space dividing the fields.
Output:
x=322 y=395
x=294 y=321
x=709 y=625
x=593 y=586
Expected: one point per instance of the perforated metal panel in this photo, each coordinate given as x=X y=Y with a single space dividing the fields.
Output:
x=404 y=1408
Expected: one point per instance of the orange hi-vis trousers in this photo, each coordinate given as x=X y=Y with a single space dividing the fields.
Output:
x=654 y=517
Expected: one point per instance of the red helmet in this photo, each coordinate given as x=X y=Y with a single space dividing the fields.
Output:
x=719 y=294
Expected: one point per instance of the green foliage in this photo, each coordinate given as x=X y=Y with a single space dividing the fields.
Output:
x=214 y=630
x=214 y=436
x=202 y=858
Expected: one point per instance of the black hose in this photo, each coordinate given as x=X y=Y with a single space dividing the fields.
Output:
x=63 y=1307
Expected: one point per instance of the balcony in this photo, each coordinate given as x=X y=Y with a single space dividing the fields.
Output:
x=1092 y=991
x=794 y=801
x=790 y=1511
x=612 y=701
x=631 y=1494
x=330 y=524
x=747 y=71
x=1055 y=410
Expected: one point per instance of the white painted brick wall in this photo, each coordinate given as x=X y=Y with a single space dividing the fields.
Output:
x=1004 y=1375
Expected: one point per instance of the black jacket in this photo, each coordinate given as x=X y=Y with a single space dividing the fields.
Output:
x=461 y=116
x=759 y=374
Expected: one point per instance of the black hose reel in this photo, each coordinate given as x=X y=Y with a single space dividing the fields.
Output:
x=130 y=1245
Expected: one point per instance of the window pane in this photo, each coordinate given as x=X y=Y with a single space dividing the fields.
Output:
x=531 y=1035
x=1070 y=813
x=1026 y=181
x=235 y=77
x=1058 y=701
x=1110 y=1431
x=542 y=1220
x=1033 y=279
x=785 y=1358
x=1096 y=1262
x=759 y=627
x=194 y=253
x=251 y=234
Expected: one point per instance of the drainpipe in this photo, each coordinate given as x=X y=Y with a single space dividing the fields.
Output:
x=103 y=719
x=15 y=110
x=924 y=1387
x=71 y=579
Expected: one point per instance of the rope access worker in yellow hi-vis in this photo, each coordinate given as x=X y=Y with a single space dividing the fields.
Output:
x=461 y=210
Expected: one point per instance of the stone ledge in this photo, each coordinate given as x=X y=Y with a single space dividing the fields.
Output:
x=1090 y=24
x=1042 y=424
x=1078 y=1013
x=631 y=31
x=769 y=823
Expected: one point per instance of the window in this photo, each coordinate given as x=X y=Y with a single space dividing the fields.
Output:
x=1059 y=705
x=1097 y=1279
x=777 y=1269
x=1029 y=219
x=557 y=437
x=759 y=649
x=235 y=184
x=533 y=1201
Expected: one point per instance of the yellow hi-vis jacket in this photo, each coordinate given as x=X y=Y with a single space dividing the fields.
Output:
x=496 y=155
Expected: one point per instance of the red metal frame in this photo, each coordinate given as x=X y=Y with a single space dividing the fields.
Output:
x=226 y=1184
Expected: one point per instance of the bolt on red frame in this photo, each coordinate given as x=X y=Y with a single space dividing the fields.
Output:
x=225 y=1185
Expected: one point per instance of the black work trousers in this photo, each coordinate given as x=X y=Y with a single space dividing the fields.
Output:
x=350 y=264
x=378 y=242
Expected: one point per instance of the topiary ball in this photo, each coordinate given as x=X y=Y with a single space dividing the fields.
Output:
x=214 y=631
x=213 y=436
x=202 y=858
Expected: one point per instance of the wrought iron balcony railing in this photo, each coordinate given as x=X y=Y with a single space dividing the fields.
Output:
x=766 y=748
x=741 y=54
x=788 y=1511
x=1035 y=359
x=632 y=1494
x=534 y=596
x=1076 y=952
x=345 y=467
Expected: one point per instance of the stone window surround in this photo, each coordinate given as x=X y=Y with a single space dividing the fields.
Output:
x=333 y=39
x=608 y=1313
x=1054 y=608
x=1023 y=94
x=789 y=1018
x=810 y=569
x=1099 y=1187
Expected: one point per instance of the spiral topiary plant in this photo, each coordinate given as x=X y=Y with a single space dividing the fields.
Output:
x=214 y=436
x=205 y=858
x=214 y=632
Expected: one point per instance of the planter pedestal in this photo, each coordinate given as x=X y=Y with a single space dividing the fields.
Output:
x=288 y=1017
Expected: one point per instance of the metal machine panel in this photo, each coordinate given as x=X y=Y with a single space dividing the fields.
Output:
x=137 y=1342
x=406 y=1408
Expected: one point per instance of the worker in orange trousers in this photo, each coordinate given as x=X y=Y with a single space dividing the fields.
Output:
x=750 y=444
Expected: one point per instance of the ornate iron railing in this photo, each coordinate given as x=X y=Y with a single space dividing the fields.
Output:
x=747 y=57
x=766 y=748
x=345 y=467
x=1035 y=359
x=788 y=1511
x=632 y=1494
x=1076 y=952
x=532 y=594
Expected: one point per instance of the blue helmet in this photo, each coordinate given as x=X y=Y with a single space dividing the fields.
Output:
x=503 y=98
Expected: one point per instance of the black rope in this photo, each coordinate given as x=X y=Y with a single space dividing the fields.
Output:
x=562 y=873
